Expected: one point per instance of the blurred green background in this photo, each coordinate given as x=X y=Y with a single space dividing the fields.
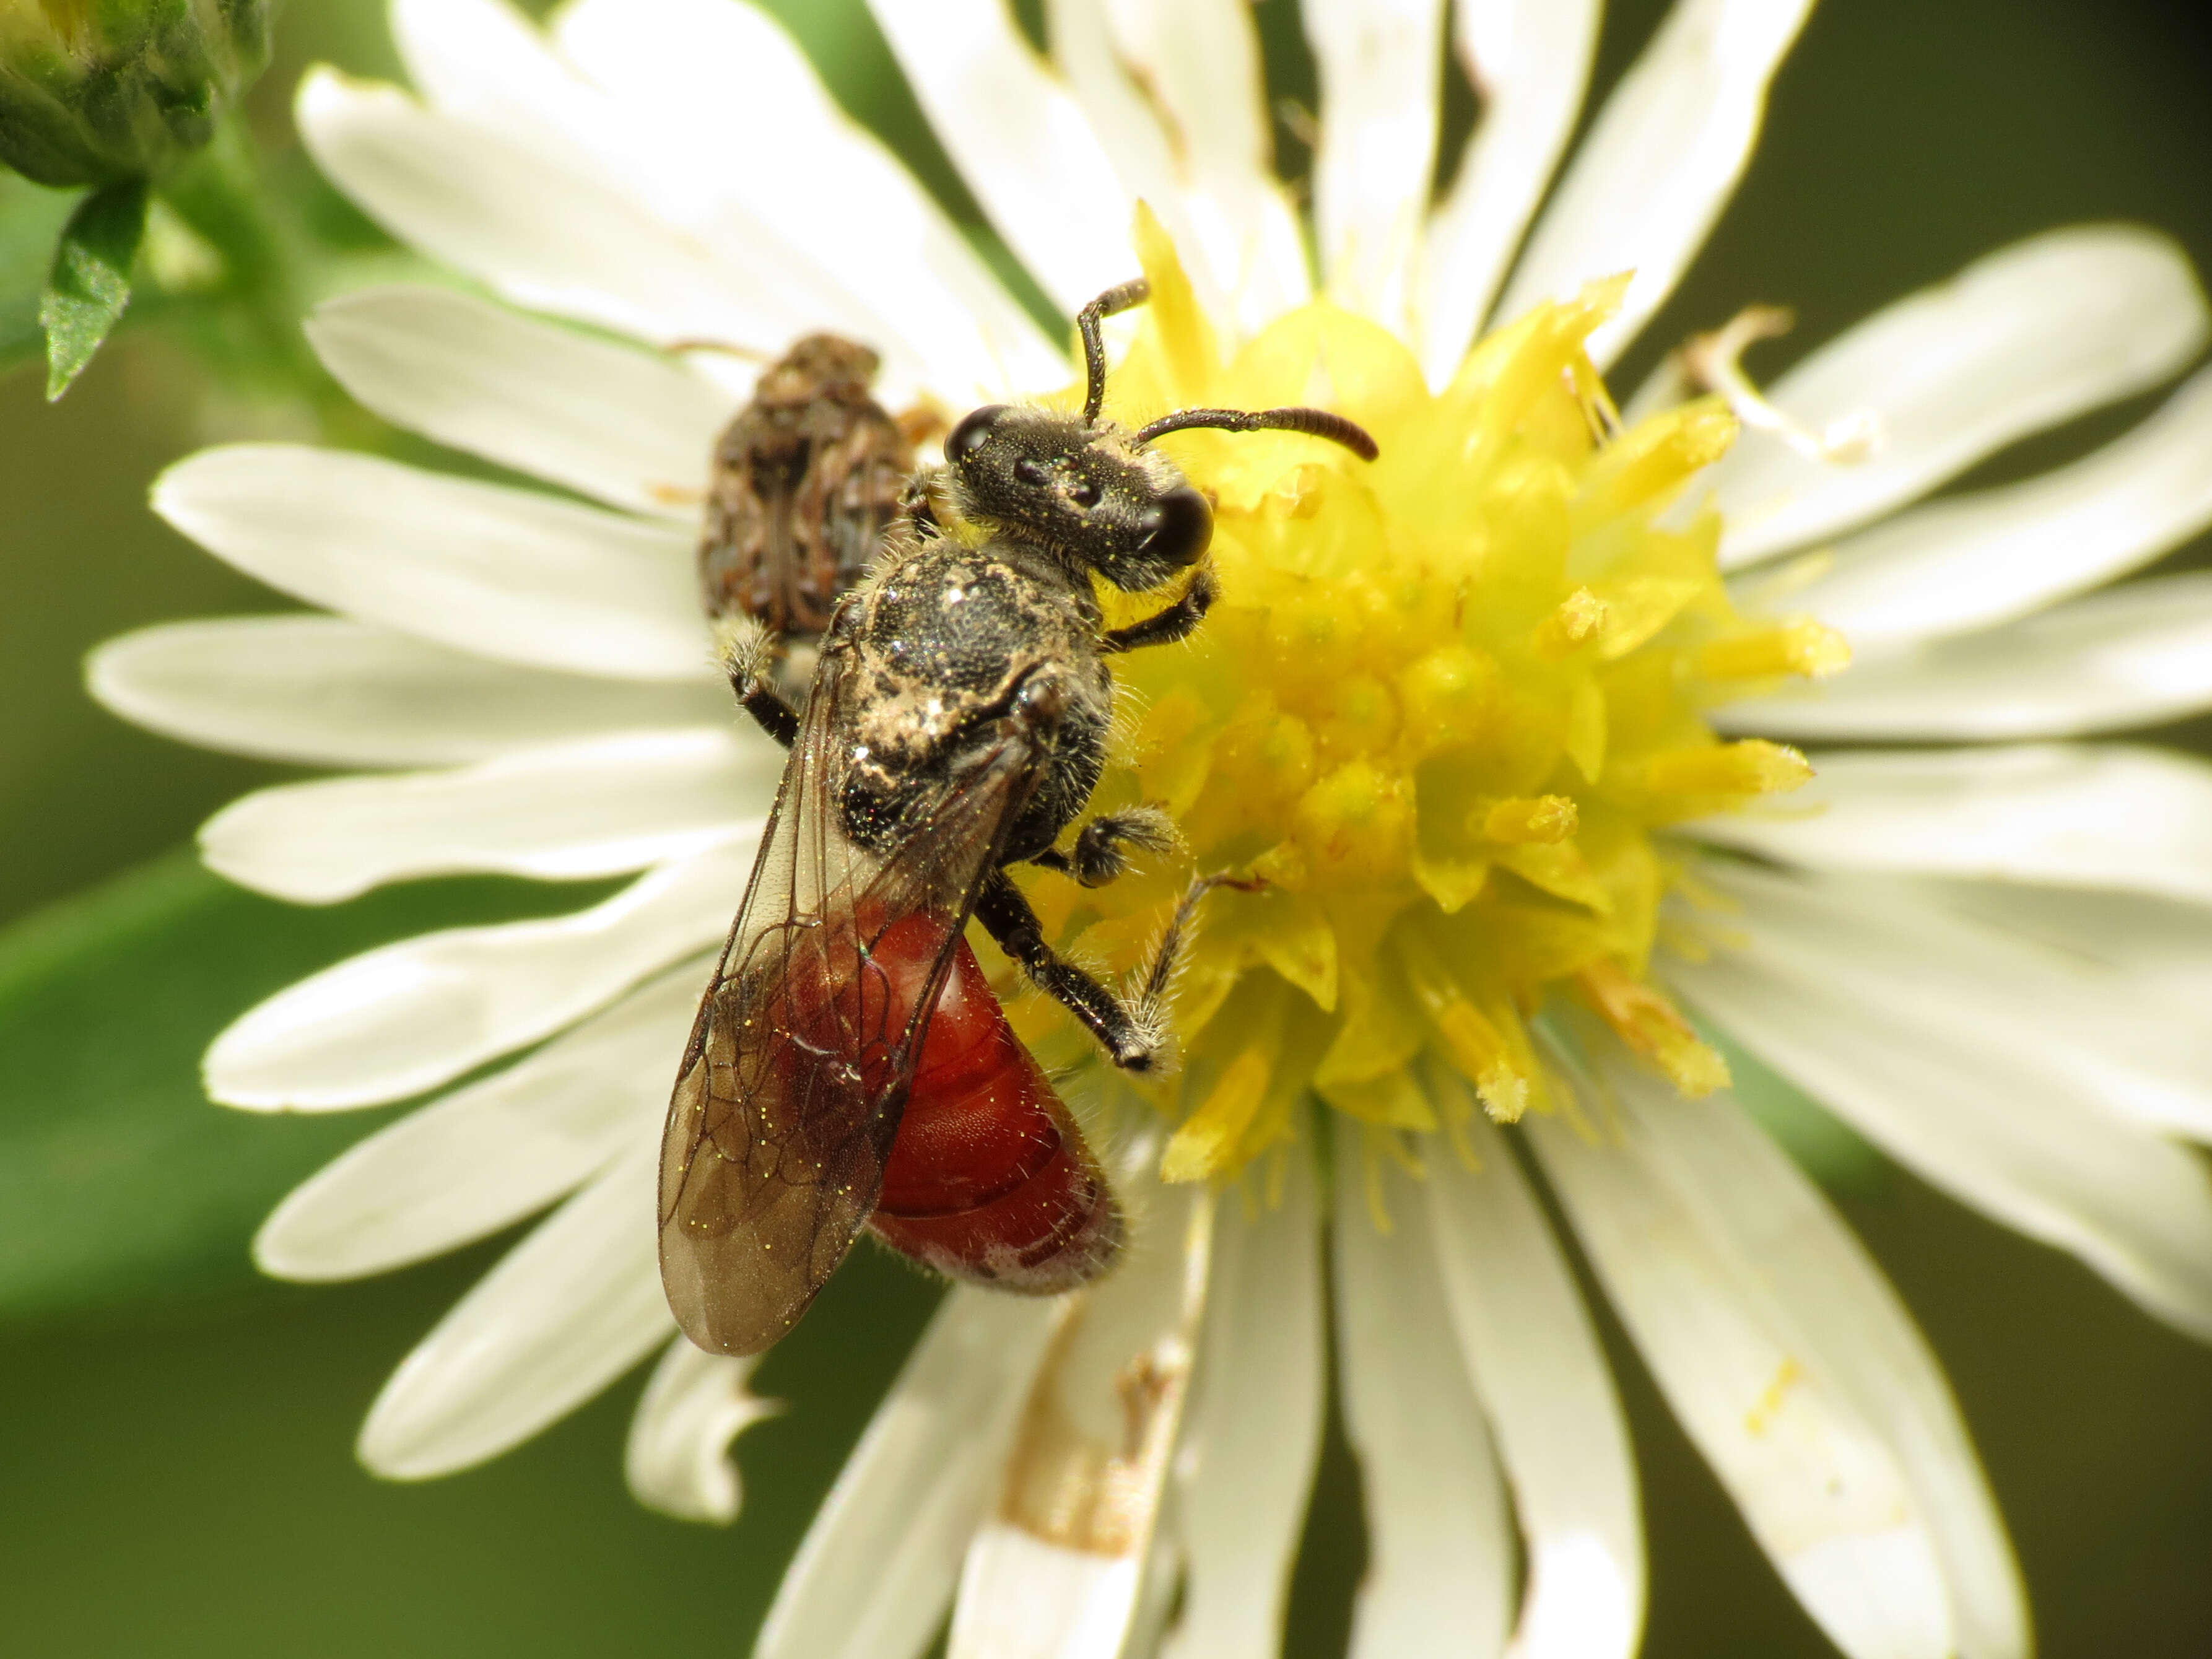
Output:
x=176 y=1475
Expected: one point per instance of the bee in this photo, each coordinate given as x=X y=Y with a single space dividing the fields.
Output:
x=804 y=480
x=850 y=1066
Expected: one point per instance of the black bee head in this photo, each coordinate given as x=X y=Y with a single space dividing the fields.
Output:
x=1092 y=496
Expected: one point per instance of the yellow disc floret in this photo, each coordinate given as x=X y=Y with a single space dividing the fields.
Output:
x=1442 y=707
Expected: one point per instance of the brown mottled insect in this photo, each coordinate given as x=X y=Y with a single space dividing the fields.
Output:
x=805 y=478
x=850 y=1066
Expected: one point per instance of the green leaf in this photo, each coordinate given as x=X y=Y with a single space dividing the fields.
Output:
x=90 y=283
x=121 y=1185
x=31 y=220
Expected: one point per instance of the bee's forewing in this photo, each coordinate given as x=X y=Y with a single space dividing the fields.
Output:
x=799 y=1062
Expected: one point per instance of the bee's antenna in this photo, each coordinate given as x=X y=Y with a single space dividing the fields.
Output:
x=1114 y=300
x=1316 y=423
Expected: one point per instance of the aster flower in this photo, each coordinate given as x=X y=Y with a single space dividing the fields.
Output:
x=1497 y=718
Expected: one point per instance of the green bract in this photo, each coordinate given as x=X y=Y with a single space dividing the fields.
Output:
x=96 y=90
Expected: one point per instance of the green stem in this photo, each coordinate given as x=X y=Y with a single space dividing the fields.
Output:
x=219 y=194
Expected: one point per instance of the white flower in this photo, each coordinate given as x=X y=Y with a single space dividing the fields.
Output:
x=1981 y=958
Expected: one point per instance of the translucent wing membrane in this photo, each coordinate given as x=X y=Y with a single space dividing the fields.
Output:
x=800 y=1061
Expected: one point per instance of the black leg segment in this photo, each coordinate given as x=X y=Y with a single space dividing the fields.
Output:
x=1178 y=622
x=1131 y=1039
x=770 y=712
x=1098 y=855
x=747 y=650
x=1133 y=1030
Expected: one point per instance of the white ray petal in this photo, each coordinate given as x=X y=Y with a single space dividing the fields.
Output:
x=1530 y=60
x=484 y=56
x=1253 y=1435
x=1171 y=90
x=1129 y=131
x=1440 y=1544
x=1529 y=1344
x=473 y=1161
x=742 y=86
x=544 y=225
x=331 y=692
x=2132 y=656
x=1793 y=1364
x=404 y=1017
x=1058 y=1571
x=1121 y=118
x=1987 y=1123
x=1659 y=163
x=1019 y=140
x=2084 y=1020
x=678 y=1459
x=565 y=1312
x=507 y=573
x=2029 y=337
x=1379 y=103
x=1862 y=1334
x=2087 y=1023
x=631 y=429
x=1969 y=561
x=1198 y=61
x=485 y=63
x=2165 y=948
x=1818 y=1487
x=2085 y=815
x=873 y=1575
x=600 y=808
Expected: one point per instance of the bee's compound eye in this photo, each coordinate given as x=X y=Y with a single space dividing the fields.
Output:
x=1177 y=527
x=973 y=432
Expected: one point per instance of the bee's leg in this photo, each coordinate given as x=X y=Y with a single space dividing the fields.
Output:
x=1097 y=856
x=748 y=654
x=1164 y=627
x=1176 y=935
x=1131 y=1032
x=922 y=496
x=772 y=714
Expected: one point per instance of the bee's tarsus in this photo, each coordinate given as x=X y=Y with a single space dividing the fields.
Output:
x=1175 y=937
x=1130 y=1042
x=746 y=647
x=1176 y=622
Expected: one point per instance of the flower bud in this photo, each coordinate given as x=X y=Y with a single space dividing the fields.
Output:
x=96 y=90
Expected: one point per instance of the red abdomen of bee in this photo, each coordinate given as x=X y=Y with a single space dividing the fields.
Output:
x=989 y=1179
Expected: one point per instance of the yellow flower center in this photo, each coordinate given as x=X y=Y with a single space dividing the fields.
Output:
x=1443 y=708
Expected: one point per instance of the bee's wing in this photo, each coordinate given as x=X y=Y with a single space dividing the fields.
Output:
x=797 y=1068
